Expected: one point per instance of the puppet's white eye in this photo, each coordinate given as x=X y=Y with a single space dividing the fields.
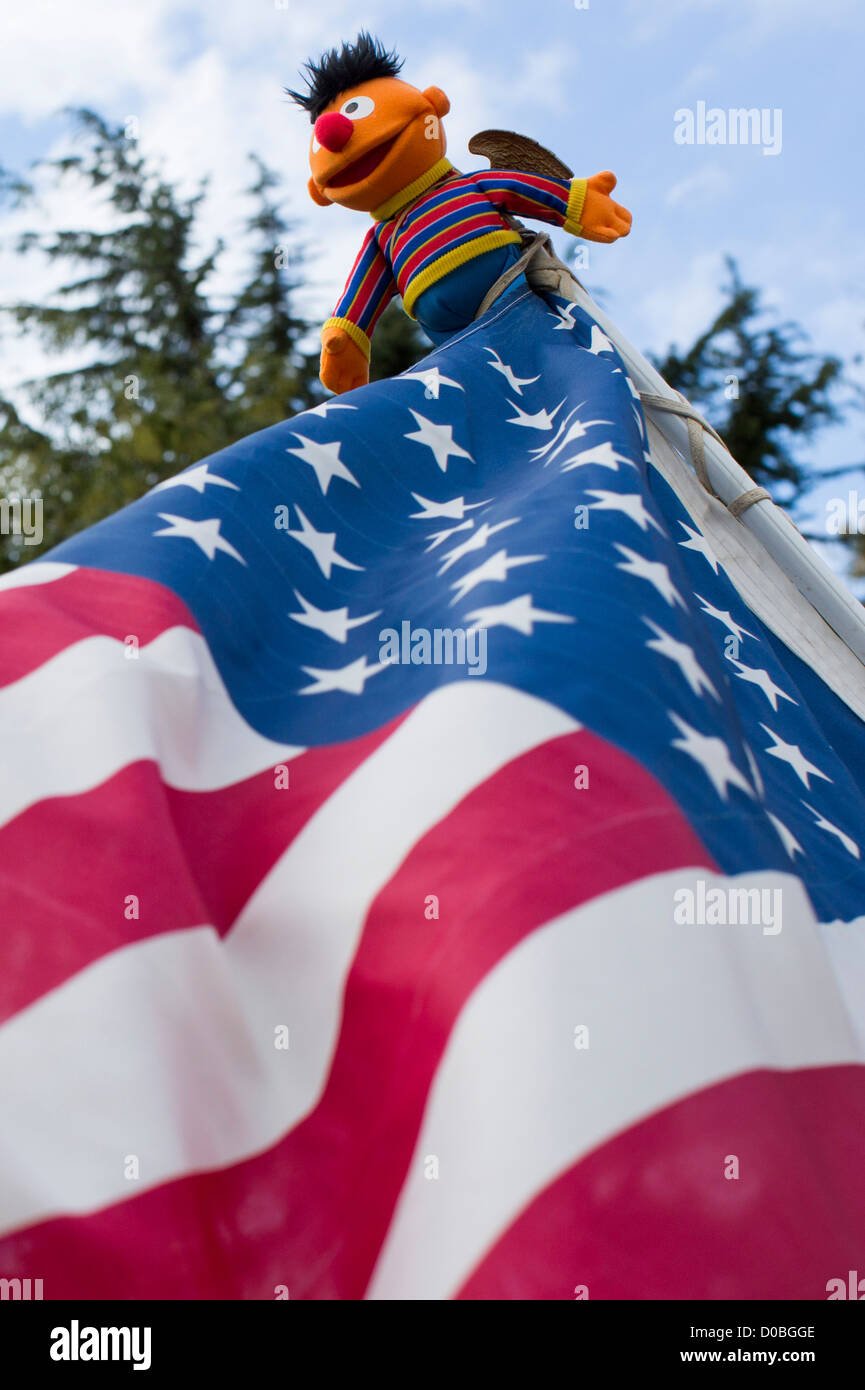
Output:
x=315 y=145
x=357 y=107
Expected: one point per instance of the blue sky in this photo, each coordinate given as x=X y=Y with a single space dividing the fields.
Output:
x=599 y=85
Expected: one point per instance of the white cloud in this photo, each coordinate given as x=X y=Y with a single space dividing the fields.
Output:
x=54 y=53
x=705 y=185
x=103 y=51
x=543 y=77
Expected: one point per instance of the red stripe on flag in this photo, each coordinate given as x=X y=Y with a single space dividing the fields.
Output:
x=190 y=858
x=312 y=1212
x=41 y=620
x=650 y=1215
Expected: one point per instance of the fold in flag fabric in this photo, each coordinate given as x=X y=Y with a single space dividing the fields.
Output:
x=423 y=875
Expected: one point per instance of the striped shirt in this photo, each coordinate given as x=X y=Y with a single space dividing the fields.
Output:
x=455 y=217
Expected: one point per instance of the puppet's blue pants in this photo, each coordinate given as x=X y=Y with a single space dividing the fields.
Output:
x=451 y=303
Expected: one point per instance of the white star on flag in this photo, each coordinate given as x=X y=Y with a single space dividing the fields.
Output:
x=630 y=504
x=600 y=342
x=823 y=824
x=684 y=657
x=756 y=775
x=517 y=613
x=454 y=509
x=541 y=420
x=724 y=617
x=475 y=542
x=713 y=756
x=516 y=383
x=324 y=406
x=791 y=753
x=322 y=544
x=571 y=428
x=432 y=379
x=333 y=622
x=205 y=534
x=697 y=541
x=763 y=681
x=324 y=460
x=495 y=568
x=604 y=455
x=438 y=438
x=654 y=572
x=197 y=478
x=436 y=538
x=350 y=679
x=638 y=414
x=565 y=317
x=788 y=839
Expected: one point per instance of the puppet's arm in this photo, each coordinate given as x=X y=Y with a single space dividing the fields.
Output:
x=582 y=207
x=345 y=336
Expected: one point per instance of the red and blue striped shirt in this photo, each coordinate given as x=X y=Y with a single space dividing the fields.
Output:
x=455 y=217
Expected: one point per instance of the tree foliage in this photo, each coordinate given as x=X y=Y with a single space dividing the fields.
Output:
x=763 y=391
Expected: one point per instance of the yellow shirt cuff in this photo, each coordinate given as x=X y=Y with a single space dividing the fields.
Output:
x=356 y=334
x=576 y=200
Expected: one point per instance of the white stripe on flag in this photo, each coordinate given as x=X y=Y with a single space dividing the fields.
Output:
x=670 y=1009
x=92 y=710
x=43 y=572
x=166 y=1049
x=845 y=946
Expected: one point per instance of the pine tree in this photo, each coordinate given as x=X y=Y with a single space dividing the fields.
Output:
x=167 y=377
x=274 y=378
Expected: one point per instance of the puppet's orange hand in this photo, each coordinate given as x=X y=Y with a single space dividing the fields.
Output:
x=601 y=218
x=343 y=365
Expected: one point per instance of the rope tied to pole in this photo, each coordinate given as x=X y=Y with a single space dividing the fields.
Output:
x=696 y=427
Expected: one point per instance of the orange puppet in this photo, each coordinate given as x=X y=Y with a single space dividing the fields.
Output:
x=439 y=238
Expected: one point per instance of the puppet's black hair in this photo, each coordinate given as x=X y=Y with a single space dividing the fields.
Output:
x=341 y=69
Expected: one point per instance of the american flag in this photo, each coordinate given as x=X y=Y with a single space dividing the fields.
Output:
x=333 y=976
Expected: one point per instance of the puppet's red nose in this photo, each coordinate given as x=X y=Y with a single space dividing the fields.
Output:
x=333 y=131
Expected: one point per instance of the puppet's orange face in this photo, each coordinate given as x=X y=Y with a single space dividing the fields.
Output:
x=374 y=140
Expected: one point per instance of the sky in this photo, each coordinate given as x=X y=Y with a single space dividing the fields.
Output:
x=600 y=82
